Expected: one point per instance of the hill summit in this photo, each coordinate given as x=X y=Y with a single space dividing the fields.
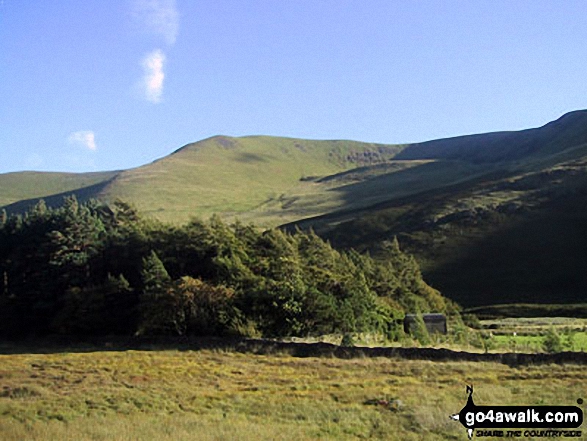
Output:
x=491 y=217
x=229 y=176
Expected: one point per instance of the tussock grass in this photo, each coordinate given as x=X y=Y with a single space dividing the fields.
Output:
x=220 y=395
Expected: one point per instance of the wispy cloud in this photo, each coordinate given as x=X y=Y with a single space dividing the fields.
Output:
x=154 y=75
x=159 y=17
x=83 y=138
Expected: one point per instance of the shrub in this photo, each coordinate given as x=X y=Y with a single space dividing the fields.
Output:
x=552 y=341
x=472 y=321
x=420 y=332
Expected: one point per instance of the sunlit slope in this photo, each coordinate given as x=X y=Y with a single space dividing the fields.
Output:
x=239 y=177
x=438 y=166
x=15 y=187
x=492 y=218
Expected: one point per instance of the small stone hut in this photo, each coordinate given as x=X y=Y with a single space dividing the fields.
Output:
x=434 y=322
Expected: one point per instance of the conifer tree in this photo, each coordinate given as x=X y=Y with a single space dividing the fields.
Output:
x=77 y=241
x=203 y=277
x=158 y=306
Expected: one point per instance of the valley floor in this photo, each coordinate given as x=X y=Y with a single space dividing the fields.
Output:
x=223 y=395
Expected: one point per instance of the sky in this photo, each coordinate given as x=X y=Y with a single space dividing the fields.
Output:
x=112 y=84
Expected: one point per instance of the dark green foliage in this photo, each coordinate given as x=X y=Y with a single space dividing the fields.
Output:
x=92 y=269
x=552 y=341
x=160 y=308
x=472 y=321
x=420 y=331
x=97 y=310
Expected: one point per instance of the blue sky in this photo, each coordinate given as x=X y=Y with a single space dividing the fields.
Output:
x=110 y=84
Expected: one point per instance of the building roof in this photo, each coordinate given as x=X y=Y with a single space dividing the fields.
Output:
x=427 y=317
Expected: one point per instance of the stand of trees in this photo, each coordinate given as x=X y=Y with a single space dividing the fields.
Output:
x=95 y=269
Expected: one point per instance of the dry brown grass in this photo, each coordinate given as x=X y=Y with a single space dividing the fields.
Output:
x=215 y=395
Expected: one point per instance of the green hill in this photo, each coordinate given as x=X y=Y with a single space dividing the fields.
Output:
x=512 y=230
x=241 y=177
x=256 y=178
x=22 y=186
x=493 y=218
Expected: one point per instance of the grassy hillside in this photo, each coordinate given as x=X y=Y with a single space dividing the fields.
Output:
x=568 y=131
x=256 y=178
x=512 y=234
x=16 y=187
x=490 y=216
x=485 y=242
x=241 y=177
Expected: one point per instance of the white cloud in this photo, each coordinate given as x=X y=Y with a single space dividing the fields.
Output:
x=159 y=17
x=154 y=75
x=84 y=138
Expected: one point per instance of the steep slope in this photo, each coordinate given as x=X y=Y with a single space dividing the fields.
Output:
x=513 y=231
x=493 y=218
x=568 y=131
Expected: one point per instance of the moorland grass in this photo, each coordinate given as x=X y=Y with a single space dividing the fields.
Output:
x=221 y=395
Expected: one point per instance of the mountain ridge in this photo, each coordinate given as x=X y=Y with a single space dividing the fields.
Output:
x=508 y=143
x=448 y=201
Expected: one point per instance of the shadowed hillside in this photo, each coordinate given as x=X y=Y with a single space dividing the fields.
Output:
x=511 y=232
x=568 y=131
x=490 y=216
x=19 y=187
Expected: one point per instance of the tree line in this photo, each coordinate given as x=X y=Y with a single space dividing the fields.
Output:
x=98 y=269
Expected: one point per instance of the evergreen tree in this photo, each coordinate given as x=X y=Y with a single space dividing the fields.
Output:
x=158 y=308
x=56 y=268
x=77 y=241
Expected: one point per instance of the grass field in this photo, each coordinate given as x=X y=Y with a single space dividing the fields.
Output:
x=534 y=343
x=526 y=334
x=216 y=395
